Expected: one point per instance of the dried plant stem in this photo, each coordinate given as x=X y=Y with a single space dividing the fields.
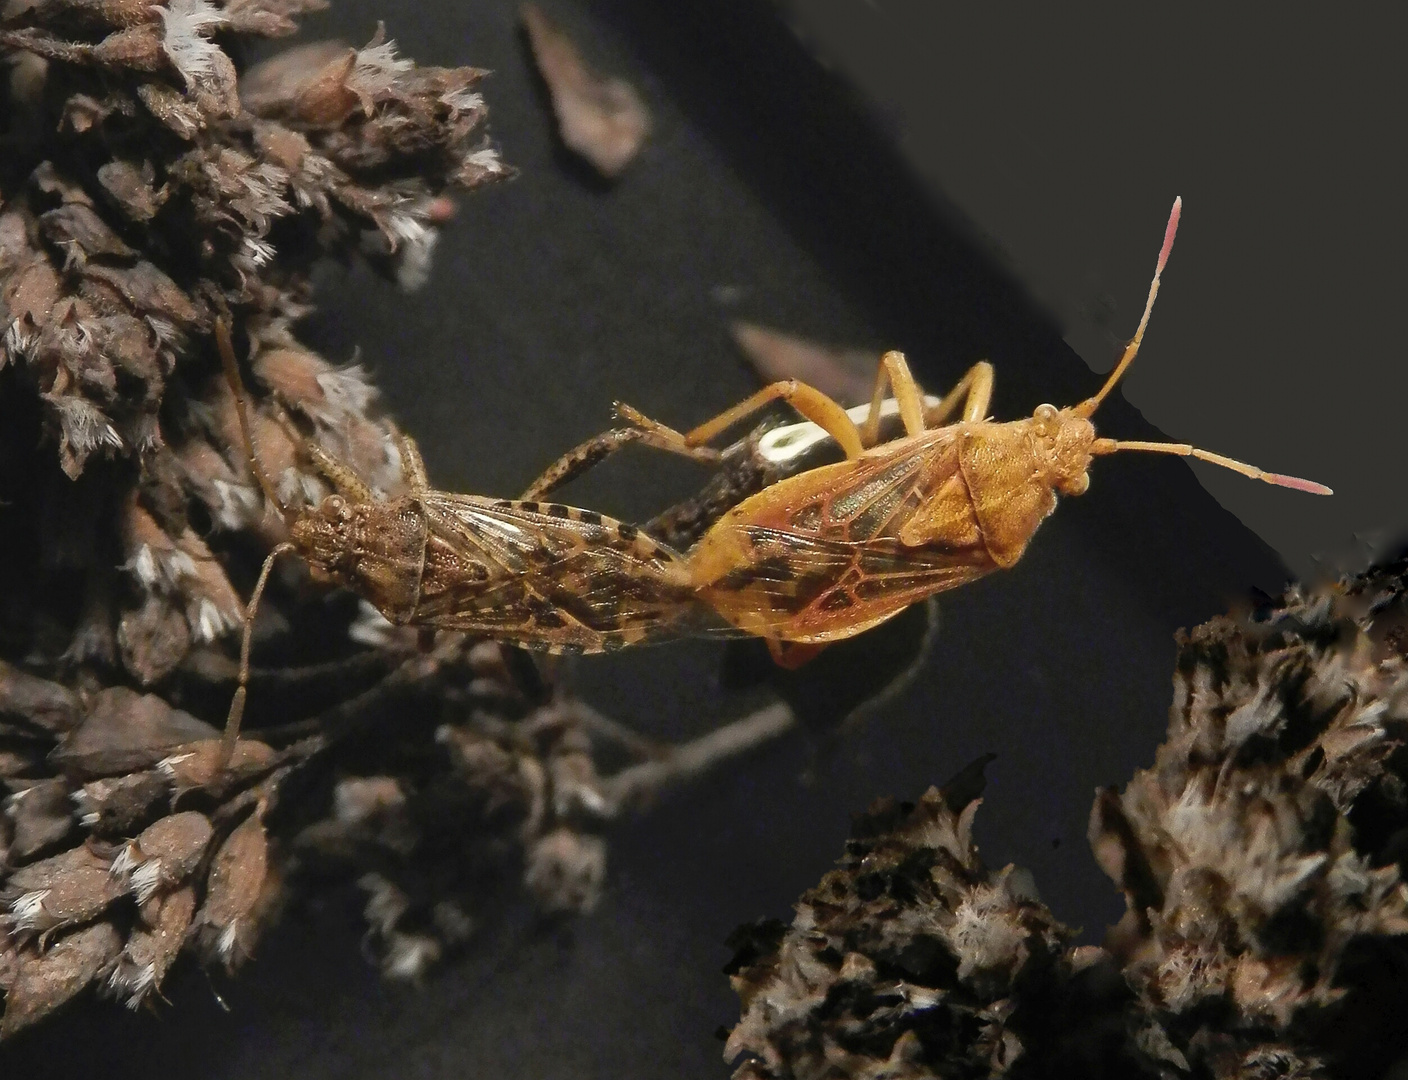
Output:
x=638 y=783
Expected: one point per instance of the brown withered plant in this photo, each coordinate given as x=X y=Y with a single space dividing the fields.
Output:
x=150 y=185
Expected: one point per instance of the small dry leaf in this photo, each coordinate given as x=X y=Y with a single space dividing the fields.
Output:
x=69 y=888
x=45 y=704
x=152 y=946
x=238 y=877
x=153 y=639
x=126 y=732
x=42 y=816
x=119 y=806
x=602 y=119
x=199 y=765
x=164 y=855
x=848 y=375
x=45 y=980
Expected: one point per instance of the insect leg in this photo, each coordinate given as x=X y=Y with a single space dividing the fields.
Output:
x=579 y=459
x=598 y=448
x=807 y=400
x=232 y=722
x=347 y=482
x=412 y=464
x=975 y=387
x=790 y=655
x=894 y=369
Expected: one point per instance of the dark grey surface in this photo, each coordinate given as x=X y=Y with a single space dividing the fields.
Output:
x=552 y=297
x=1064 y=132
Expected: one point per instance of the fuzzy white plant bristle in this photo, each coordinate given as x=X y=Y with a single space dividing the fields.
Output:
x=168 y=765
x=82 y=799
x=295 y=488
x=414 y=260
x=132 y=982
x=145 y=880
x=17 y=342
x=346 y=389
x=257 y=252
x=378 y=67
x=487 y=159
x=462 y=100
x=160 y=570
x=410 y=956
x=165 y=330
x=84 y=424
x=28 y=911
x=187 y=25
x=208 y=621
x=237 y=506
x=225 y=943
x=126 y=860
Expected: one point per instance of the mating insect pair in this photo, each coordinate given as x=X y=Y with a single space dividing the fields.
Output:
x=833 y=551
x=814 y=558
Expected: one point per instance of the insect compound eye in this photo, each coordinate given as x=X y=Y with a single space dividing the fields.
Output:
x=335 y=508
x=1047 y=420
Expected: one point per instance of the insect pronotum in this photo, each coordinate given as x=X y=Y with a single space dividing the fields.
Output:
x=835 y=550
x=538 y=574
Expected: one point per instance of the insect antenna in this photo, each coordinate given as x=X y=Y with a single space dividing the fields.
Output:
x=1113 y=446
x=232 y=375
x=1087 y=408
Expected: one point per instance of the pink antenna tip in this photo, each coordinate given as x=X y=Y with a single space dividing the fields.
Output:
x=1295 y=482
x=1169 y=232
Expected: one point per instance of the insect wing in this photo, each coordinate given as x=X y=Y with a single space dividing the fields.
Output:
x=806 y=588
x=864 y=500
x=549 y=576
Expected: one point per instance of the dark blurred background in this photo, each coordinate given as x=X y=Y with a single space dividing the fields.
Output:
x=1062 y=133
x=961 y=185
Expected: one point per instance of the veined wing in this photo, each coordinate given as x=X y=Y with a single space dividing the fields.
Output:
x=866 y=499
x=808 y=589
x=550 y=576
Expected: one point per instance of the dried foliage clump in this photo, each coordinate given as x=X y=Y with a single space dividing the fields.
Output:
x=151 y=185
x=602 y=120
x=1261 y=858
x=910 y=959
x=148 y=187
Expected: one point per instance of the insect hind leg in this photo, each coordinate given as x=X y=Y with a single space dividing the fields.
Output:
x=894 y=369
x=580 y=459
x=974 y=390
x=815 y=406
x=598 y=448
x=236 y=714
